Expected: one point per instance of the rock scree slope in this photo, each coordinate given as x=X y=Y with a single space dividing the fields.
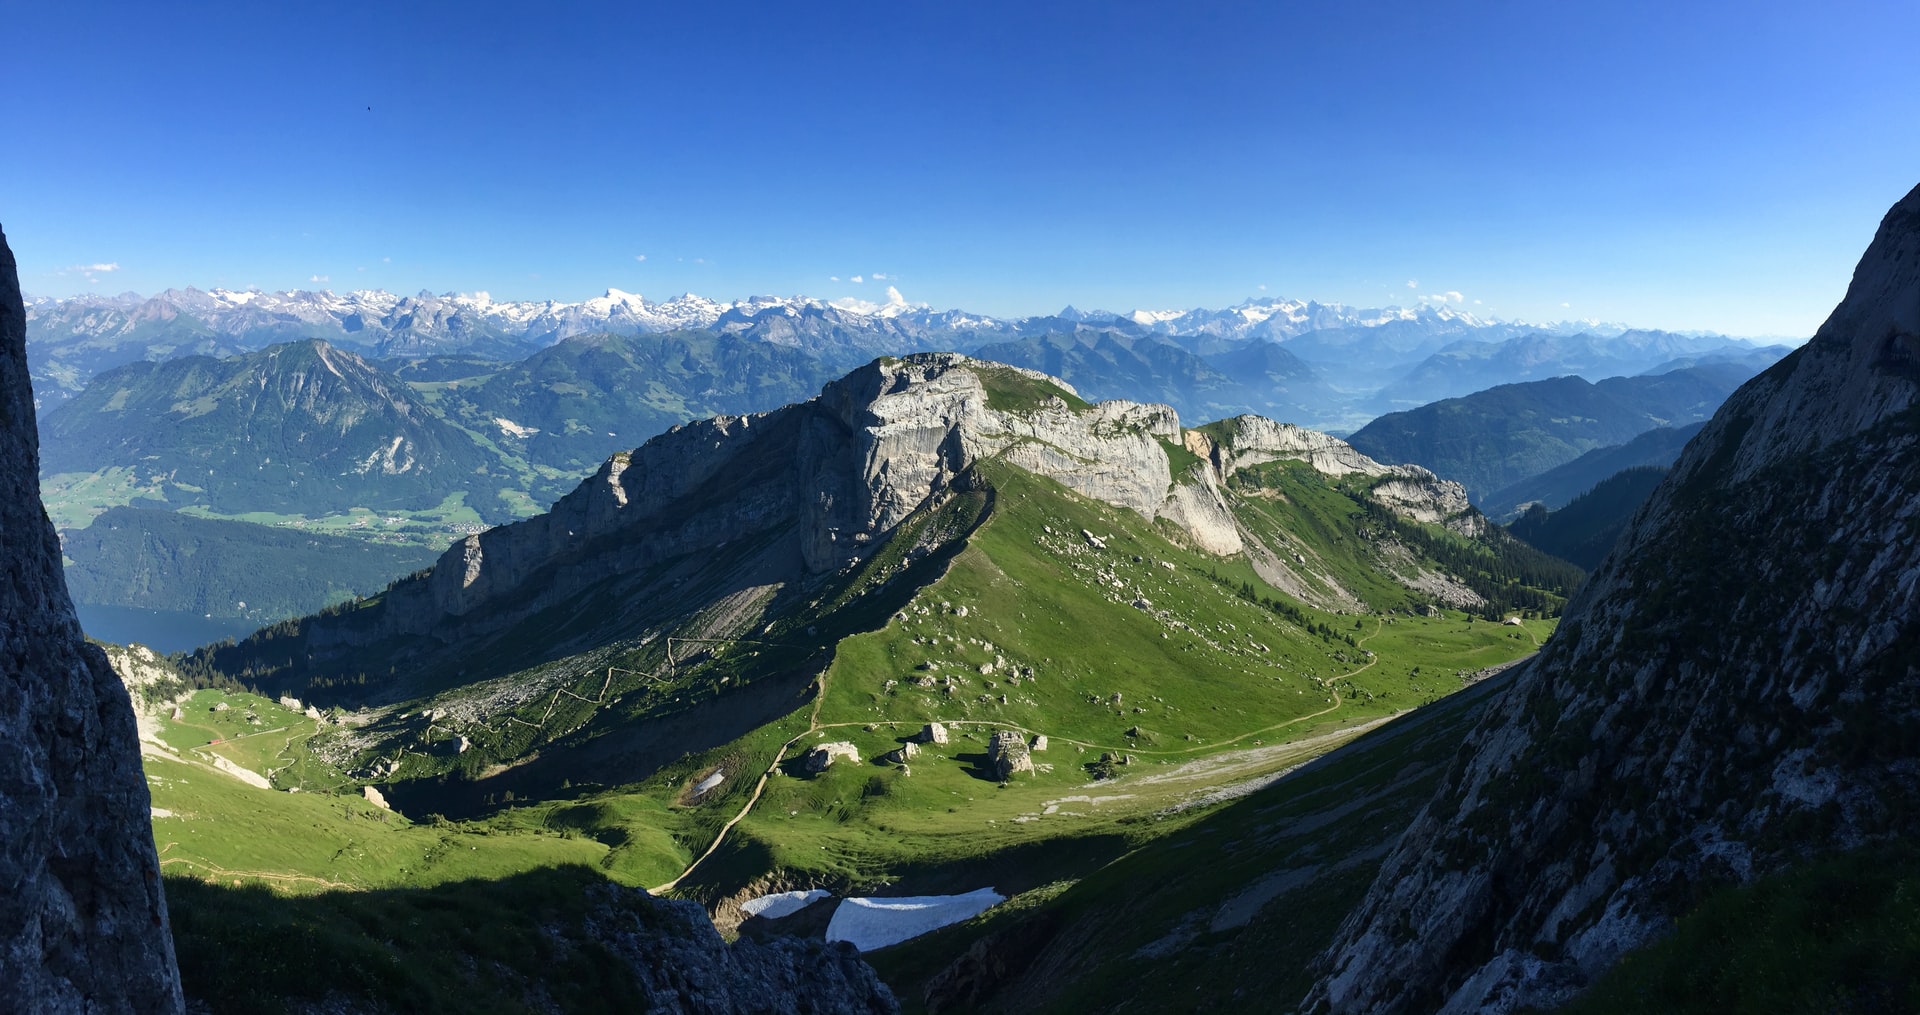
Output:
x=1736 y=689
x=83 y=923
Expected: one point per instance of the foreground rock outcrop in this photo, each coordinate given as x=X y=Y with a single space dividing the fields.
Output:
x=83 y=924
x=683 y=967
x=1737 y=689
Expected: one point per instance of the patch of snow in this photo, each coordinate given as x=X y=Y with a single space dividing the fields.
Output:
x=512 y=429
x=876 y=923
x=161 y=812
x=709 y=782
x=779 y=904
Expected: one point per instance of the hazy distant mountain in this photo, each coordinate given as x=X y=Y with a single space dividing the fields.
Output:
x=1583 y=530
x=1257 y=376
x=1495 y=438
x=569 y=406
x=1473 y=364
x=1557 y=486
x=300 y=428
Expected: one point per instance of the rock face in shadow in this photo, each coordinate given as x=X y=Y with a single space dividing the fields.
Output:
x=1737 y=689
x=83 y=924
x=683 y=967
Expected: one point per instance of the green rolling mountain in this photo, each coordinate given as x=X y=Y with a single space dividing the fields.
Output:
x=1493 y=439
x=1555 y=487
x=1585 y=528
x=301 y=428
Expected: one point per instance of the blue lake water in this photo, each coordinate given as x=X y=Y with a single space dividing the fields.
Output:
x=160 y=630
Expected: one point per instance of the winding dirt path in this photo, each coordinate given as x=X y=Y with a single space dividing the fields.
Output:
x=259 y=875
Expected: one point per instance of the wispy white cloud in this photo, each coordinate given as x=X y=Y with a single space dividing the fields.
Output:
x=386 y=260
x=856 y=278
x=1413 y=283
x=639 y=257
x=699 y=260
x=880 y=276
x=91 y=271
x=1476 y=303
x=893 y=295
x=1263 y=287
x=1564 y=306
x=319 y=278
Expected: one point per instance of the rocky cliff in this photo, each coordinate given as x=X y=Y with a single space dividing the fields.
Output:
x=803 y=490
x=1737 y=689
x=83 y=924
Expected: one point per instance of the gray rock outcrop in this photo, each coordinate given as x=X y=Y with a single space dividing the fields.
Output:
x=683 y=967
x=1737 y=689
x=1007 y=754
x=822 y=757
x=83 y=923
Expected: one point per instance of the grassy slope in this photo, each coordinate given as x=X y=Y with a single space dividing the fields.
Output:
x=1213 y=689
x=1222 y=912
x=1842 y=934
x=1033 y=596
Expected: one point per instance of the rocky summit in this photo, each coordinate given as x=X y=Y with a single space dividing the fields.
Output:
x=1735 y=691
x=811 y=488
x=82 y=918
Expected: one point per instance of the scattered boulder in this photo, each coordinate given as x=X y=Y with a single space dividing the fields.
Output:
x=374 y=797
x=1007 y=754
x=1039 y=742
x=221 y=706
x=902 y=754
x=176 y=716
x=821 y=758
x=290 y=703
x=461 y=744
x=932 y=733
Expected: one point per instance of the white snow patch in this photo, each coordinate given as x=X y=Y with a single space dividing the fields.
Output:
x=512 y=429
x=876 y=923
x=709 y=782
x=161 y=812
x=779 y=904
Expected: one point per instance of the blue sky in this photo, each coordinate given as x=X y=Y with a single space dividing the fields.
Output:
x=1698 y=165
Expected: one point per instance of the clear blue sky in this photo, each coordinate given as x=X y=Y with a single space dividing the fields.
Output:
x=1685 y=165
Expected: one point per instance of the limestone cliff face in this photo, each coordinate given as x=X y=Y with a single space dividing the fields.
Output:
x=1737 y=688
x=811 y=486
x=83 y=925
x=1408 y=490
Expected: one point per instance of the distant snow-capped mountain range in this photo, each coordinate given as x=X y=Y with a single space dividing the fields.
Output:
x=367 y=316
x=1324 y=362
